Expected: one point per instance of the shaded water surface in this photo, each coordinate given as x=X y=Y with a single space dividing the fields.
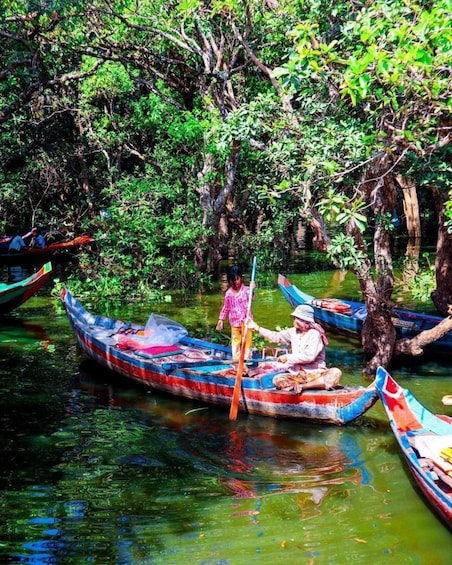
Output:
x=95 y=469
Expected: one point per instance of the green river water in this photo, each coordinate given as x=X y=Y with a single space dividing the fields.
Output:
x=98 y=470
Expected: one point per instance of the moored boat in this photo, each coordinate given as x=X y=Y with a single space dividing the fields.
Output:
x=55 y=251
x=14 y=294
x=204 y=371
x=346 y=317
x=425 y=440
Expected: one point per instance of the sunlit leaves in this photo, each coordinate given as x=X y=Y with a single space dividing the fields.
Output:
x=449 y=213
x=111 y=78
x=388 y=45
x=343 y=251
x=189 y=6
x=336 y=208
x=250 y=120
x=389 y=67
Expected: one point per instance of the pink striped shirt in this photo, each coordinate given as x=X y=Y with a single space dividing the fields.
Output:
x=235 y=306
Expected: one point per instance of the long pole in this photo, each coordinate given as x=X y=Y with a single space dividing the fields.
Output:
x=238 y=380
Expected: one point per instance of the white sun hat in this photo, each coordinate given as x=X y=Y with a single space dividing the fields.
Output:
x=304 y=312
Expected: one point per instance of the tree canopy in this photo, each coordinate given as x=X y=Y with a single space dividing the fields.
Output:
x=184 y=132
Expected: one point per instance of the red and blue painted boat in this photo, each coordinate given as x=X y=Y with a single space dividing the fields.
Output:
x=203 y=371
x=32 y=255
x=346 y=317
x=425 y=440
x=14 y=294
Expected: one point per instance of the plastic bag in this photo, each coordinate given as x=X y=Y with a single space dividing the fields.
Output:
x=159 y=331
x=162 y=331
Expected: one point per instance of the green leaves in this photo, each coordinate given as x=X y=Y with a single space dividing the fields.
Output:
x=343 y=252
x=336 y=208
x=388 y=46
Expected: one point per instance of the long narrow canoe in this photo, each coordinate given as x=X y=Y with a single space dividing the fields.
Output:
x=35 y=255
x=346 y=317
x=14 y=294
x=425 y=441
x=204 y=371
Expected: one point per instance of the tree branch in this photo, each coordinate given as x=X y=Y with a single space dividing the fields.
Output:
x=416 y=345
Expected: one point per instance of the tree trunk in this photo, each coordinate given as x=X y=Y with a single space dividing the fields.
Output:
x=442 y=295
x=416 y=345
x=213 y=202
x=378 y=334
x=410 y=207
x=411 y=266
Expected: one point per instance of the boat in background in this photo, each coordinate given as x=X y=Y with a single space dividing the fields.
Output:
x=204 y=371
x=14 y=294
x=346 y=317
x=58 y=251
x=425 y=440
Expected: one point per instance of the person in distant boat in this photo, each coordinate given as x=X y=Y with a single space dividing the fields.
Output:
x=235 y=308
x=16 y=244
x=37 y=240
x=305 y=364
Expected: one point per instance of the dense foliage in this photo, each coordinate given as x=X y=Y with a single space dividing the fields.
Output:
x=181 y=133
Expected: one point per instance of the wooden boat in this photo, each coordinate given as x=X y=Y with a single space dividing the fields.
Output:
x=203 y=371
x=55 y=251
x=425 y=441
x=14 y=294
x=346 y=317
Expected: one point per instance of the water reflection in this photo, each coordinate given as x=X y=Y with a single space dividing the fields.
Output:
x=256 y=459
x=17 y=333
x=16 y=273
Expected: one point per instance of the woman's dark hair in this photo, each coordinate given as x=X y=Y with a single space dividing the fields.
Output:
x=234 y=272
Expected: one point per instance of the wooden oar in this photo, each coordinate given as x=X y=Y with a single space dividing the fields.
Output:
x=241 y=365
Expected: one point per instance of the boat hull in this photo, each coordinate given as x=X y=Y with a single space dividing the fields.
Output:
x=409 y=421
x=212 y=381
x=16 y=294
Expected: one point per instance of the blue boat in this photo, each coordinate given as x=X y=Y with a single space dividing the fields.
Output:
x=346 y=317
x=425 y=440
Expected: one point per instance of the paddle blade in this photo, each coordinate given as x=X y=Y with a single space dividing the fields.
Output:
x=238 y=381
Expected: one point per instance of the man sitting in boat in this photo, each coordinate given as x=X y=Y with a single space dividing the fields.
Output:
x=16 y=244
x=305 y=365
x=37 y=240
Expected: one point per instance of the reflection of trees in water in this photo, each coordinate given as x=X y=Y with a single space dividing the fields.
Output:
x=17 y=333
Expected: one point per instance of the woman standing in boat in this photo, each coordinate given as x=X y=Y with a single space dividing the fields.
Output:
x=305 y=364
x=235 y=308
